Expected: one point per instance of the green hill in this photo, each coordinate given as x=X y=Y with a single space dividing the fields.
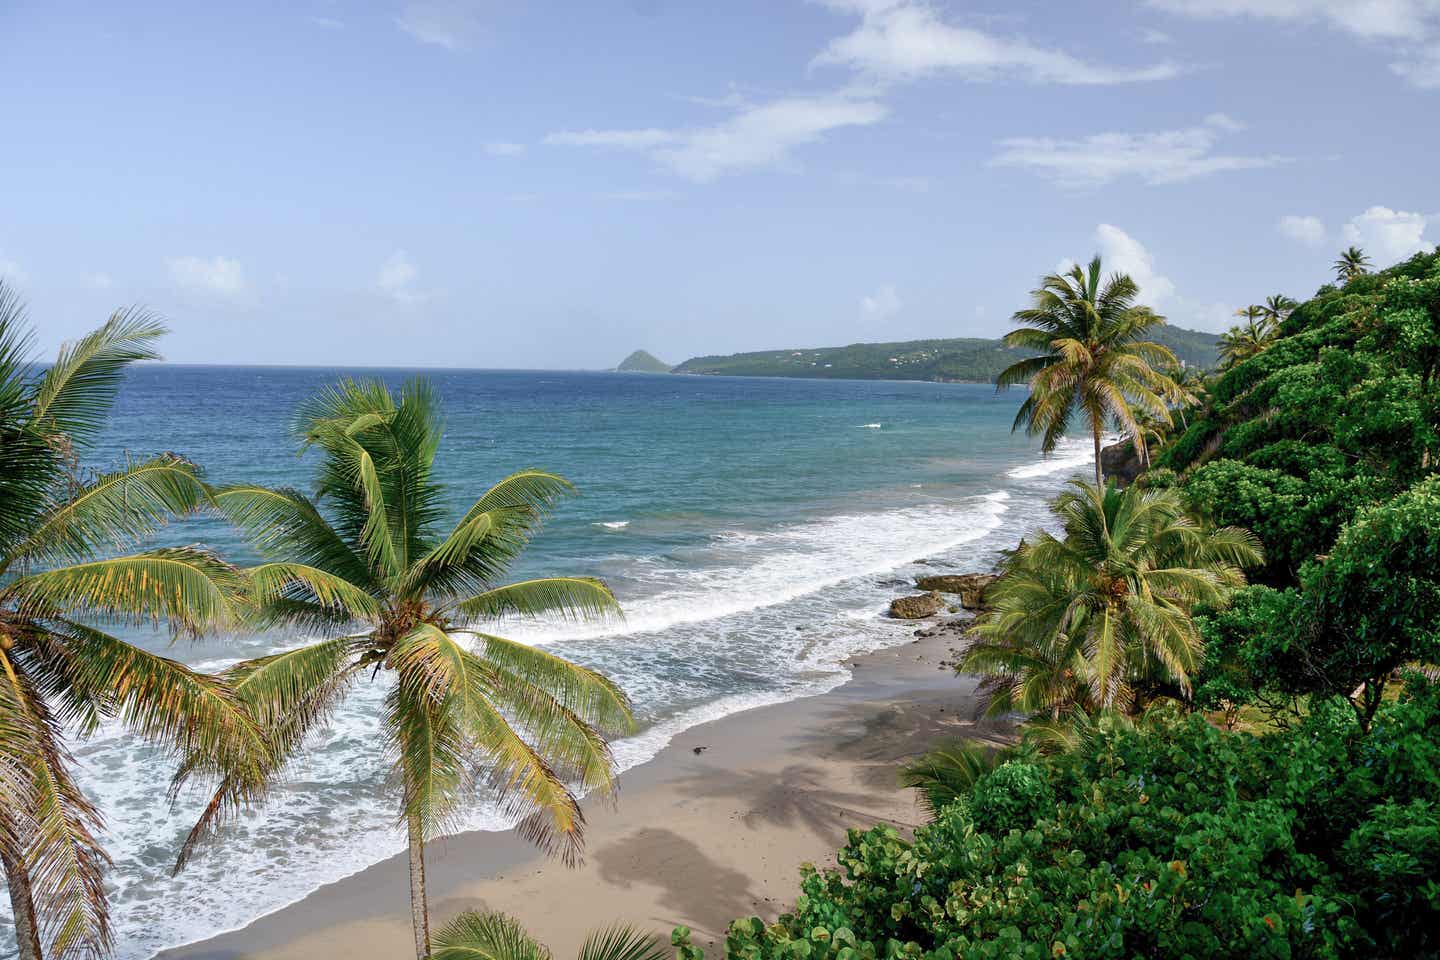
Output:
x=973 y=360
x=642 y=361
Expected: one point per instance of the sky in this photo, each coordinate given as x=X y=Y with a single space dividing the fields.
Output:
x=501 y=183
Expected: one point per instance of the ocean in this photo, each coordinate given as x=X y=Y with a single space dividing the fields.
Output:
x=754 y=530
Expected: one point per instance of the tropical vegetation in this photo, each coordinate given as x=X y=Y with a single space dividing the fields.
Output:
x=1091 y=359
x=1102 y=617
x=1169 y=838
x=61 y=584
x=368 y=566
x=473 y=935
x=1264 y=782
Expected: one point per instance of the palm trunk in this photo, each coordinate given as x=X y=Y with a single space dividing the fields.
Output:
x=22 y=904
x=419 y=908
x=1099 y=473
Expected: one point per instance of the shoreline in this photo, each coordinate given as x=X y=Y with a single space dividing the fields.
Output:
x=697 y=836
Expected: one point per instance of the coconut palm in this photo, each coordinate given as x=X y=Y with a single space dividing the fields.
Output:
x=366 y=566
x=1247 y=340
x=1103 y=617
x=1352 y=263
x=1092 y=359
x=495 y=936
x=60 y=673
x=1276 y=309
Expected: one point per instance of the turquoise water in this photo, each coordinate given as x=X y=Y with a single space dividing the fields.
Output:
x=753 y=529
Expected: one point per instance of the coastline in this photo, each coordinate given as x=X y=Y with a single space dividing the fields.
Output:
x=695 y=838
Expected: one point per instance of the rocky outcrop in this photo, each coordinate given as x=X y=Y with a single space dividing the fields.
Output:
x=970 y=587
x=917 y=608
x=1121 y=462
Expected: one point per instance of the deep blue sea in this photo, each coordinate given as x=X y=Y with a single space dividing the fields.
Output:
x=754 y=531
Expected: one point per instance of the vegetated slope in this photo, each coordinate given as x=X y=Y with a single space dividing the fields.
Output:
x=964 y=359
x=642 y=361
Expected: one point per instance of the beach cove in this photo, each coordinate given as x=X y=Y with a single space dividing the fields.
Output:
x=695 y=838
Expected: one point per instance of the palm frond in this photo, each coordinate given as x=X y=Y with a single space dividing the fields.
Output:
x=623 y=942
x=114 y=509
x=75 y=394
x=488 y=936
x=191 y=588
x=571 y=598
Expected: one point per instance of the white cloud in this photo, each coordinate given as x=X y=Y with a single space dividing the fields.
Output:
x=1388 y=235
x=1122 y=253
x=451 y=24
x=219 y=275
x=1304 y=229
x=397 y=277
x=329 y=23
x=503 y=149
x=756 y=137
x=1397 y=19
x=1155 y=37
x=906 y=39
x=1408 y=26
x=1168 y=156
x=100 y=281
x=882 y=304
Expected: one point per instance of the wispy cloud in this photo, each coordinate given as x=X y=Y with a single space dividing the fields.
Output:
x=452 y=24
x=396 y=278
x=1303 y=229
x=882 y=304
x=762 y=136
x=217 y=275
x=1166 y=156
x=11 y=271
x=1410 y=28
x=908 y=39
x=329 y=23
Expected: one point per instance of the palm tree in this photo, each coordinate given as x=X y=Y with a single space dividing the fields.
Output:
x=495 y=936
x=1092 y=359
x=1352 y=263
x=1276 y=309
x=366 y=566
x=59 y=671
x=1103 y=617
x=1250 y=339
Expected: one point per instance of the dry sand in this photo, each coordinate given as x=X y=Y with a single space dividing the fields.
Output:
x=695 y=838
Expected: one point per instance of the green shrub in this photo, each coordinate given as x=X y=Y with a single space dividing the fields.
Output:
x=1168 y=840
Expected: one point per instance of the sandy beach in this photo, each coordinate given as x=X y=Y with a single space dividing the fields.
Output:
x=715 y=827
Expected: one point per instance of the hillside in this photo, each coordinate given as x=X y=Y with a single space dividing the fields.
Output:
x=642 y=361
x=969 y=359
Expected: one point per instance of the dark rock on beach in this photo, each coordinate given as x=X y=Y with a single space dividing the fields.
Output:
x=916 y=608
x=970 y=587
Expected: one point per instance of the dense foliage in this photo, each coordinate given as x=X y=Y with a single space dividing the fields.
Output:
x=961 y=360
x=1324 y=444
x=1173 y=839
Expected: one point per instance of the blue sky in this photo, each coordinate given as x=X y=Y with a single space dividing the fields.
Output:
x=551 y=184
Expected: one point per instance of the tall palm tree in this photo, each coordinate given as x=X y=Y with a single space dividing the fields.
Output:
x=1276 y=308
x=1352 y=263
x=1103 y=617
x=61 y=673
x=494 y=936
x=1247 y=340
x=366 y=565
x=1092 y=361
